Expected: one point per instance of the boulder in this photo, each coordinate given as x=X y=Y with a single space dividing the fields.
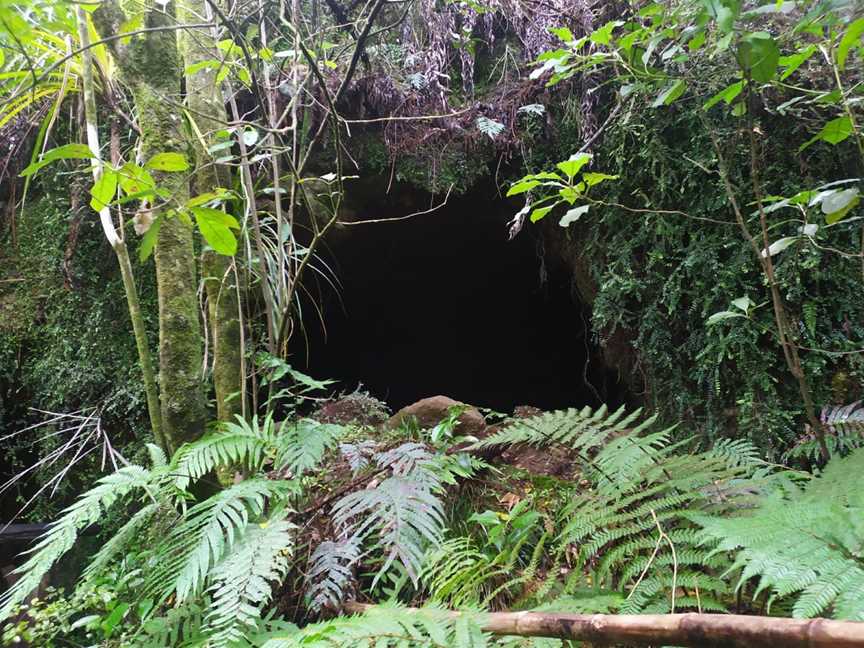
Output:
x=429 y=412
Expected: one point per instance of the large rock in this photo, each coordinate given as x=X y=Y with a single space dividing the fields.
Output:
x=429 y=412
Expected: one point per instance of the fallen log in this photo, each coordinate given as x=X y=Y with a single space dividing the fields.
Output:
x=689 y=629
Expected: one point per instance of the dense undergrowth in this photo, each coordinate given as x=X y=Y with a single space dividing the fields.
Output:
x=321 y=513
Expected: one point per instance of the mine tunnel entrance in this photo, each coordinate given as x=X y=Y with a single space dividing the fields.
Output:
x=444 y=303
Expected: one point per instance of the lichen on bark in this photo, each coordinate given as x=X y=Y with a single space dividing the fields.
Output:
x=207 y=109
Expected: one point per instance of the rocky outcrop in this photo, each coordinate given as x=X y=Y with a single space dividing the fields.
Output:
x=430 y=411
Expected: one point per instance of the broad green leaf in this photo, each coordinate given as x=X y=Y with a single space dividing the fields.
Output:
x=148 y=241
x=570 y=194
x=574 y=215
x=724 y=12
x=793 y=62
x=202 y=199
x=759 y=56
x=592 y=179
x=563 y=33
x=540 y=212
x=66 y=152
x=572 y=166
x=727 y=94
x=135 y=179
x=743 y=303
x=850 y=39
x=722 y=315
x=201 y=65
x=134 y=23
x=522 y=186
x=168 y=161
x=215 y=231
x=696 y=42
x=778 y=246
x=837 y=204
x=603 y=36
x=250 y=137
x=104 y=189
x=670 y=93
x=216 y=216
x=834 y=132
x=112 y=620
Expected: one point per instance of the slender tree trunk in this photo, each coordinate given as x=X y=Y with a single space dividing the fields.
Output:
x=116 y=241
x=151 y=66
x=207 y=111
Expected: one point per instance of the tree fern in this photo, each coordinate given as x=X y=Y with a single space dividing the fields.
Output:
x=805 y=543
x=242 y=581
x=61 y=536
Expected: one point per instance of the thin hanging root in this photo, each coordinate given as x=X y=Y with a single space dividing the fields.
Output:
x=691 y=629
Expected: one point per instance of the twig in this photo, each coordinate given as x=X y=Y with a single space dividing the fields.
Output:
x=402 y=218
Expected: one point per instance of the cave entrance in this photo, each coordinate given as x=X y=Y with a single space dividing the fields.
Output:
x=443 y=303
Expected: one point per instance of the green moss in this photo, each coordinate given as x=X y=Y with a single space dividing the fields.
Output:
x=66 y=348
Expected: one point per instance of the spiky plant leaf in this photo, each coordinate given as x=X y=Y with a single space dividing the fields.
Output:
x=234 y=444
x=405 y=515
x=330 y=572
x=358 y=454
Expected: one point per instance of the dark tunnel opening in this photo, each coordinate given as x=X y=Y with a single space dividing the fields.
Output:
x=444 y=303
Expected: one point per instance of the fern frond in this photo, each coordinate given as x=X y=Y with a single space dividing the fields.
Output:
x=406 y=515
x=234 y=444
x=358 y=454
x=183 y=560
x=301 y=445
x=802 y=542
x=242 y=581
x=62 y=534
x=389 y=626
x=121 y=540
x=404 y=459
x=331 y=570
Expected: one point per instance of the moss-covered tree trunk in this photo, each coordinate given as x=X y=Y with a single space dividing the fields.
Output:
x=151 y=66
x=207 y=109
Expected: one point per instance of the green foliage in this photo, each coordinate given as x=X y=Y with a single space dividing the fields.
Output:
x=62 y=534
x=630 y=528
x=563 y=188
x=804 y=543
x=389 y=626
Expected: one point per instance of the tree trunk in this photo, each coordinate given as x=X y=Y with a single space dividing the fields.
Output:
x=697 y=630
x=207 y=110
x=117 y=242
x=150 y=65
